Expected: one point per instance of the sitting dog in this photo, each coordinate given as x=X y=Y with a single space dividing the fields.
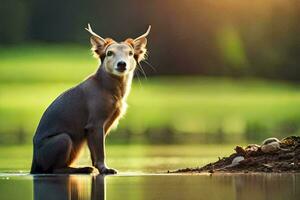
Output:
x=89 y=110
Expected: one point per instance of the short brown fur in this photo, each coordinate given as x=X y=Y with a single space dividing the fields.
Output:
x=88 y=111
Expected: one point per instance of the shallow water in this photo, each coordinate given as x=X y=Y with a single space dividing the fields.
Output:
x=128 y=158
x=139 y=179
x=150 y=186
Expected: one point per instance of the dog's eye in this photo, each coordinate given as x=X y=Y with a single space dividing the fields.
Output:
x=130 y=53
x=109 y=53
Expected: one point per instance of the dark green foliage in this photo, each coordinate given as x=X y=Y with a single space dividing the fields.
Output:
x=216 y=38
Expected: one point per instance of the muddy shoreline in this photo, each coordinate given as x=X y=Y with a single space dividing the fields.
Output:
x=272 y=156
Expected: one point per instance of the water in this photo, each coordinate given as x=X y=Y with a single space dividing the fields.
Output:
x=143 y=186
x=143 y=176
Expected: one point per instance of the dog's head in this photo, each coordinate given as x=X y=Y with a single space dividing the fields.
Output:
x=119 y=58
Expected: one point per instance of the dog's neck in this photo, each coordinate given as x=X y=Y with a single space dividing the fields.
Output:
x=118 y=86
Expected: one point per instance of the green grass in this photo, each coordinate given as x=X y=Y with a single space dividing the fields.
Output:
x=31 y=77
x=45 y=63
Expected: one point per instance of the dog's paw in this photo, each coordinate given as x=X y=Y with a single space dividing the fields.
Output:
x=105 y=170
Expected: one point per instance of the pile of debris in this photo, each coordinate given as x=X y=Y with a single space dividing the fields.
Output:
x=272 y=156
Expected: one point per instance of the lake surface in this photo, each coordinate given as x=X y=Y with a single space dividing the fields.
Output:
x=128 y=158
x=146 y=186
x=142 y=175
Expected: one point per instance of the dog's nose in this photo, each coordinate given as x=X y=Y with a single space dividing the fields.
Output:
x=121 y=66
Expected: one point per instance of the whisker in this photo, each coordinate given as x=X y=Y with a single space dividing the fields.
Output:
x=137 y=75
x=143 y=71
x=139 y=70
x=150 y=65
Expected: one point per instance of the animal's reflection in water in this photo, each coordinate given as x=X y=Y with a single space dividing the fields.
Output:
x=69 y=187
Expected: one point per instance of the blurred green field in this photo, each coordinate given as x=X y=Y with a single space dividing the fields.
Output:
x=161 y=109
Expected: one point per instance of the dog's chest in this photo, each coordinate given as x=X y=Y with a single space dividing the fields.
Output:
x=117 y=108
x=118 y=105
x=118 y=102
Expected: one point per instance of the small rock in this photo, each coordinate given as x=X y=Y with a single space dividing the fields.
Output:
x=270 y=140
x=270 y=147
x=236 y=161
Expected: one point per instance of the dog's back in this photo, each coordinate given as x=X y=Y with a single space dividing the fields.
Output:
x=67 y=114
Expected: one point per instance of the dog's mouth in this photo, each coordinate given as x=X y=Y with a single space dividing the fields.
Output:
x=121 y=69
x=119 y=72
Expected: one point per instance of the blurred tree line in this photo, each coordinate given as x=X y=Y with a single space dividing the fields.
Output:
x=216 y=38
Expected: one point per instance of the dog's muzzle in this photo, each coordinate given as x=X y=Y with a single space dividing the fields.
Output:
x=121 y=66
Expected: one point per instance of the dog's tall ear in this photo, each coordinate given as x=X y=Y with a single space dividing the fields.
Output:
x=139 y=45
x=99 y=44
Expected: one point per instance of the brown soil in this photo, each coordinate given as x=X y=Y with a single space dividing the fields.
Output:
x=284 y=159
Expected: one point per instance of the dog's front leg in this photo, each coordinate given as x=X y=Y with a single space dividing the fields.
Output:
x=96 y=144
